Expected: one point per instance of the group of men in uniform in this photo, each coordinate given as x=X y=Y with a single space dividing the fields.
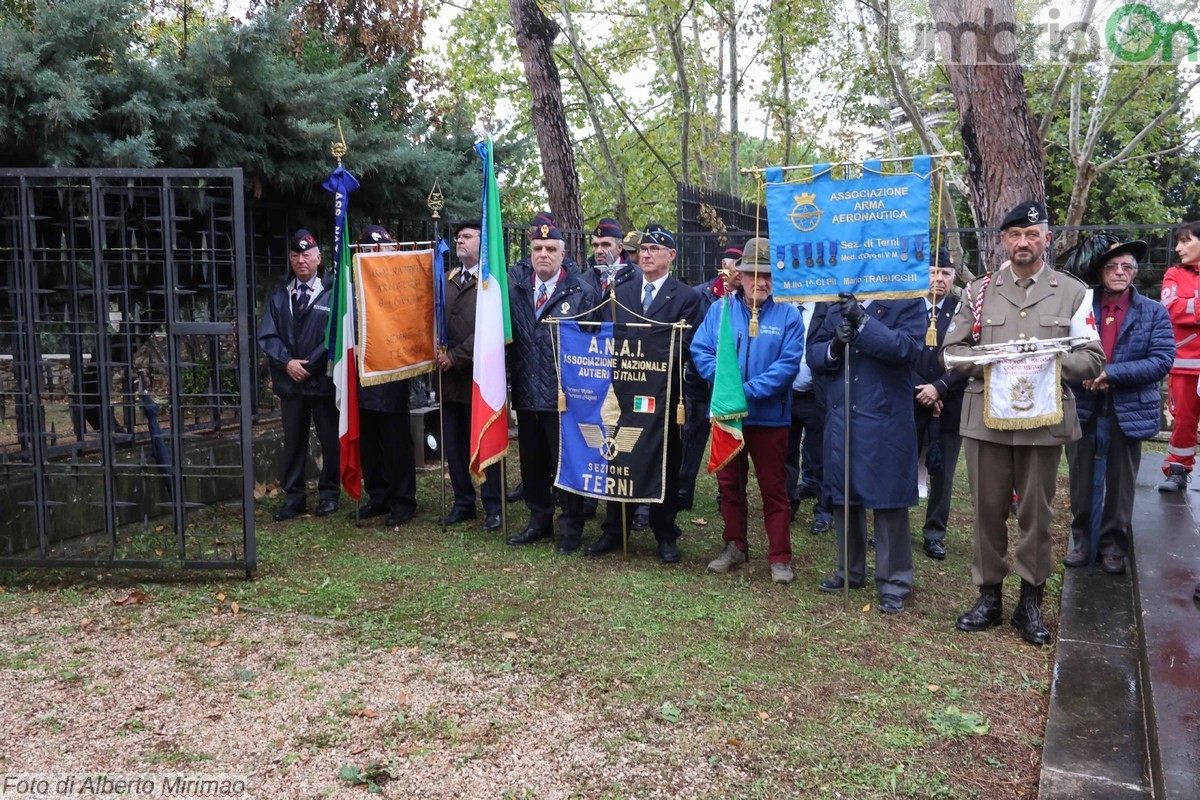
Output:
x=909 y=398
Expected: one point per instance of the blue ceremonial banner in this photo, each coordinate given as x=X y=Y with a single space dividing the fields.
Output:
x=866 y=235
x=612 y=434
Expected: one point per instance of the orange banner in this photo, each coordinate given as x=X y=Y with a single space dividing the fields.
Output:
x=395 y=315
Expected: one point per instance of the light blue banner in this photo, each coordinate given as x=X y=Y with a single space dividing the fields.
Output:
x=866 y=235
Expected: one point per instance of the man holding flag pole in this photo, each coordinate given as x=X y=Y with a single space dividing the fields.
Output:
x=751 y=407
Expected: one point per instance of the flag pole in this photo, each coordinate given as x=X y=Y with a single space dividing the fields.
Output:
x=436 y=202
x=846 y=485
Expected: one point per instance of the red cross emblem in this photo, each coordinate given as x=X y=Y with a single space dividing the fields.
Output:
x=1091 y=320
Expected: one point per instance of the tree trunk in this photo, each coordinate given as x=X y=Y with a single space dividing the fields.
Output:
x=703 y=166
x=683 y=97
x=785 y=86
x=1005 y=158
x=535 y=39
x=734 y=83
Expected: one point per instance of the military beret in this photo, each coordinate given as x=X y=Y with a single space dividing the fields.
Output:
x=376 y=234
x=732 y=252
x=657 y=234
x=545 y=231
x=301 y=242
x=608 y=227
x=473 y=224
x=941 y=259
x=543 y=218
x=632 y=240
x=1031 y=212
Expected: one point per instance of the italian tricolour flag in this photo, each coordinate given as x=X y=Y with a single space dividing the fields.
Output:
x=341 y=335
x=728 y=406
x=493 y=329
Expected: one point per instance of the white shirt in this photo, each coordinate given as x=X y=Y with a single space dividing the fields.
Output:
x=657 y=284
x=804 y=379
x=550 y=286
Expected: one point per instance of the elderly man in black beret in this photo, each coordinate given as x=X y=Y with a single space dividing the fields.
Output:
x=542 y=291
x=1139 y=348
x=1022 y=300
x=292 y=334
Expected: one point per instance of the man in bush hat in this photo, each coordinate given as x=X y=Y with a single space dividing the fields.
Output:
x=1139 y=348
x=1022 y=300
x=768 y=363
x=633 y=241
x=292 y=334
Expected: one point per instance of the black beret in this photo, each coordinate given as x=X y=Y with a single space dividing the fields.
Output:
x=473 y=224
x=657 y=234
x=609 y=227
x=545 y=231
x=1031 y=212
x=376 y=234
x=301 y=241
x=942 y=259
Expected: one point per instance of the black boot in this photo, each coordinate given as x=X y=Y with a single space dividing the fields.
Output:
x=1028 y=617
x=987 y=611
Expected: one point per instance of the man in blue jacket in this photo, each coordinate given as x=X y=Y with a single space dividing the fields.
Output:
x=768 y=362
x=1139 y=347
x=882 y=340
x=292 y=334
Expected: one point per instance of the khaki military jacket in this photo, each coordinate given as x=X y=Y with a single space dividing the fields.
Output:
x=1007 y=313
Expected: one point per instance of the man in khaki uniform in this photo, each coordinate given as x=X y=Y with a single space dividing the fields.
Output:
x=1023 y=300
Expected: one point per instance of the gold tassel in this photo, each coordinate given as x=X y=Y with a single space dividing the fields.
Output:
x=680 y=415
x=931 y=333
x=562 y=401
x=753 y=322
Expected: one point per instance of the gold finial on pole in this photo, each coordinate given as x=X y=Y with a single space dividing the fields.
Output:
x=338 y=149
x=436 y=201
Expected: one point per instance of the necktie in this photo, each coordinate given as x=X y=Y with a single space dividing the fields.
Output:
x=541 y=298
x=301 y=299
x=647 y=298
x=1025 y=283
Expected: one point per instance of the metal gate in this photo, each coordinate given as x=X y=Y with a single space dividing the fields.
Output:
x=125 y=370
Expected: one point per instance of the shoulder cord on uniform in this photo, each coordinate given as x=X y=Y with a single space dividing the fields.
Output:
x=976 y=304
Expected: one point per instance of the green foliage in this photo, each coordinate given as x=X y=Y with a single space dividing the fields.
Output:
x=954 y=723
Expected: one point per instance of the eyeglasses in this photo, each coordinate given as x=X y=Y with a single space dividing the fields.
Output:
x=1123 y=266
x=654 y=248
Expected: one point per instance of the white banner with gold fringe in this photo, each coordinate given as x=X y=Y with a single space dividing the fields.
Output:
x=1023 y=393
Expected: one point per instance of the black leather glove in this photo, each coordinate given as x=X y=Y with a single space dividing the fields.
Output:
x=852 y=310
x=843 y=335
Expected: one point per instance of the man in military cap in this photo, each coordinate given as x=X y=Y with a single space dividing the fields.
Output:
x=1025 y=299
x=659 y=296
x=542 y=291
x=292 y=334
x=457 y=366
x=633 y=241
x=768 y=363
x=1139 y=348
x=607 y=263
x=389 y=469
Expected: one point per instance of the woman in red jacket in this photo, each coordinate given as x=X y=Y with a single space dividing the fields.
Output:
x=1181 y=296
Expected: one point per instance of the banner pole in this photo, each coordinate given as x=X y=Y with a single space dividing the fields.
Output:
x=846 y=486
x=504 y=488
x=436 y=202
x=443 y=463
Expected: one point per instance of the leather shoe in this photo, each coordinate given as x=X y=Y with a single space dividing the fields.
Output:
x=492 y=523
x=530 y=535
x=1113 y=564
x=834 y=584
x=371 y=509
x=286 y=513
x=516 y=494
x=891 y=604
x=397 y=518
x=326 y=507
x=607 y=543
x=935 y=549
x=668 y=551
x=1075 y=558
x=568 y=544
x=641 y=518
x=458 y=515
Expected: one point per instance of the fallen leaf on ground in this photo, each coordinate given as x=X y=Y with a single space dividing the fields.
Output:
x=763 y=715
x=734 y=742
x=83 y=623
x=302 y=591
x=866 y=608
x=369 y=713
x=214 y=643
x=701 y=521
x=933 y=687
x=362 y=748
x=510 y=634
x=220 y=595
x=134 y=598
x=159 y=528
x=36 y=610
x=234 y=608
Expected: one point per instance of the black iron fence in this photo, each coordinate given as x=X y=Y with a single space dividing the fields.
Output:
x=125 y=355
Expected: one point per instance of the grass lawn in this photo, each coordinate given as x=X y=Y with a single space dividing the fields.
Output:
x=452 y=664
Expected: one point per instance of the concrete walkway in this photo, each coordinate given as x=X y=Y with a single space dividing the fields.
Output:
x=1124 y=716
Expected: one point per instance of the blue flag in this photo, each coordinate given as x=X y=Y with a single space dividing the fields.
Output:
x=867 y=235
x=439 y=293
